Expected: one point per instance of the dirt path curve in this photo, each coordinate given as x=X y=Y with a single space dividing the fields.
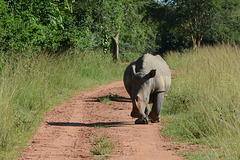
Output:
x=67 y=132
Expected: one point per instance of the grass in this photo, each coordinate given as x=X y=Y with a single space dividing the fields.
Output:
x=99 y=126
x=203 y=105
x=107 y=99
x=102 y=146
x=33 y=83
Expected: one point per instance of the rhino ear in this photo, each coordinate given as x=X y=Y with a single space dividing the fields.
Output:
x=152 y=73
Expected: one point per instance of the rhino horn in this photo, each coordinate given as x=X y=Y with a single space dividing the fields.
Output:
x=134 y=69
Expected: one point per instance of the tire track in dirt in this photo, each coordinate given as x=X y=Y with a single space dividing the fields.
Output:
x=67 y=132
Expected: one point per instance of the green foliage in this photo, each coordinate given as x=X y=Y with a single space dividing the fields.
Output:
x=225 y=27
x=204 y=99
x=104 y=19
x=182 y=23
x=30 y=23
x=56 y=25
x=32 y=84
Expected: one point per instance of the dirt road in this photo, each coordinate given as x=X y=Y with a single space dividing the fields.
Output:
x=67 y=132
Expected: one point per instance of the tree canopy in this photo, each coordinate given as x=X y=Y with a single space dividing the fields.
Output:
x=185 y=23
x=139 y=26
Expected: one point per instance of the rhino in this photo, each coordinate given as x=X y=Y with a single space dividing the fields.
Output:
x=147 y=80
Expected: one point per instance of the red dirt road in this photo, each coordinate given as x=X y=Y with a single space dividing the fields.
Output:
x=67 y=132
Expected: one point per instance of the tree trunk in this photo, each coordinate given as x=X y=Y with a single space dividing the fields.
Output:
x=115 y=46
x=194 y=47
x=196 y=41
x=199 y=39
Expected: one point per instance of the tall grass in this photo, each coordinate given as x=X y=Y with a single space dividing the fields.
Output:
x=204 y=99
x=31 y=85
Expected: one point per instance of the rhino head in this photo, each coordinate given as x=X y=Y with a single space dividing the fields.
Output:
x=142 y=85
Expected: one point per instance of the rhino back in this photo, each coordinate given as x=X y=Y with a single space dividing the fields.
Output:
x=162 y=80
x=145 y=64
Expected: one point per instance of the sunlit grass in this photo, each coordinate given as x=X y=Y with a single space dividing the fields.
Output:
x=204 y=100
x=31 y=85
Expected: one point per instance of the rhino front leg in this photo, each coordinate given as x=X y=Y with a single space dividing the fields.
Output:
x=158 y=99
x=145 y=119
x=147 y=110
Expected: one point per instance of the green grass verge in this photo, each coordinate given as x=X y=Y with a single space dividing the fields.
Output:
x=203 y=104
x=31 y=85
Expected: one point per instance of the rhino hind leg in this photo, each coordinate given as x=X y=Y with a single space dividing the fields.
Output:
x=157 y=106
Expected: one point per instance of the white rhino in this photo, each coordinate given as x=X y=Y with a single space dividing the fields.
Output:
x=147 y=80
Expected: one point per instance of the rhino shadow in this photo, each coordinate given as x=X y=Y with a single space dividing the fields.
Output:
x=97 y=124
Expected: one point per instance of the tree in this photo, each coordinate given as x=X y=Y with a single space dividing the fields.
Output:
x=115 y=25
x=115 y=45
x=196 y=19
x=58 y=24
x=225 y=27
x=30 y=23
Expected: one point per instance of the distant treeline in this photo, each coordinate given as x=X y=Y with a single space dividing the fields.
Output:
x=139 y=25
